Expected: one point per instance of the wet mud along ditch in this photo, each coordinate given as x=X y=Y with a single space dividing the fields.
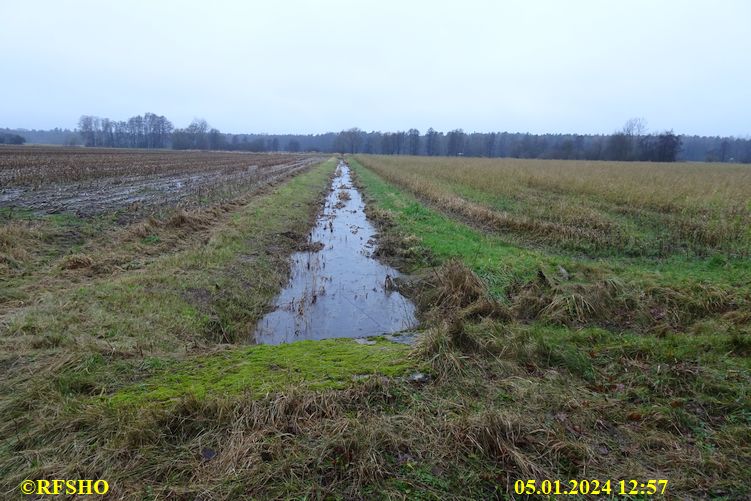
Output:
x=93 y=181
x=337 y=288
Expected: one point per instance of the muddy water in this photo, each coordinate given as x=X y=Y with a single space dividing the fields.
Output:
x=339 y=290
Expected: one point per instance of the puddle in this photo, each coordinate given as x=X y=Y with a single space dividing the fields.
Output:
x=339 y=290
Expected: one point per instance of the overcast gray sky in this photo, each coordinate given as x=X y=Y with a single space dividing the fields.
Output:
x=320 y=65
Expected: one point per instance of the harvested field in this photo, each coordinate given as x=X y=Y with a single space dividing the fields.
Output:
x=595 y=208
x=101 y=211
x=89 y=181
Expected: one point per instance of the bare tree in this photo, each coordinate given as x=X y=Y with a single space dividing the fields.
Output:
x=349 y=140
x=635 y=127
x=86 y=129
x=633 y=130
x=413 y=141
x=431 y=142
x=455 y=142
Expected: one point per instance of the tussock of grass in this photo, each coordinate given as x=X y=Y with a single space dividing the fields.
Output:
x=15 y=238
x=453 y=290
x=76 y=261
x=182 y=219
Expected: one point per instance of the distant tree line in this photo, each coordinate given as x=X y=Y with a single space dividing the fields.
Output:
x=624 y=146
x=11 y=138
x=52 y=136
x=631 y=142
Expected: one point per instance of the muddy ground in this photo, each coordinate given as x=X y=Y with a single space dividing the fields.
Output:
x=85 y=182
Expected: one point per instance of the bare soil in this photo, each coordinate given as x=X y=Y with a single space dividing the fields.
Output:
x=87 y=182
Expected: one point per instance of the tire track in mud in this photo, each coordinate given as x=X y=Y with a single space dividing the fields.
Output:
x=144 y=191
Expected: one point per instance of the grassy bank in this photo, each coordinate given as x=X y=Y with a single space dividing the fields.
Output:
x=626 y=367
x=549 y=282
x=106 y=347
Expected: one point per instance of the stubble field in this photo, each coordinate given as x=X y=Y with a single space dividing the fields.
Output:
x=87 y=181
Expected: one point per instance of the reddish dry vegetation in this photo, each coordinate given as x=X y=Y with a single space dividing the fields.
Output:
x=92 y=180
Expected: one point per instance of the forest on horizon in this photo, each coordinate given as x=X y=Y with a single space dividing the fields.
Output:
x=630 y=143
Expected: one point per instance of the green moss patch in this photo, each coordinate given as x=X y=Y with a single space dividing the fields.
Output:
x=264 y=369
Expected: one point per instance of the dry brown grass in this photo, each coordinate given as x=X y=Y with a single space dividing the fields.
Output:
x=76 y=261
x=667 y=187
x=453 y=291
x=16 y=237
x=642 y=208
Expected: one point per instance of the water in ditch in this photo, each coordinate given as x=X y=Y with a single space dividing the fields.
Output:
x=340 y=290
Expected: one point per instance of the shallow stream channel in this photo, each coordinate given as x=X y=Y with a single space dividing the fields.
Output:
x=337 y=288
